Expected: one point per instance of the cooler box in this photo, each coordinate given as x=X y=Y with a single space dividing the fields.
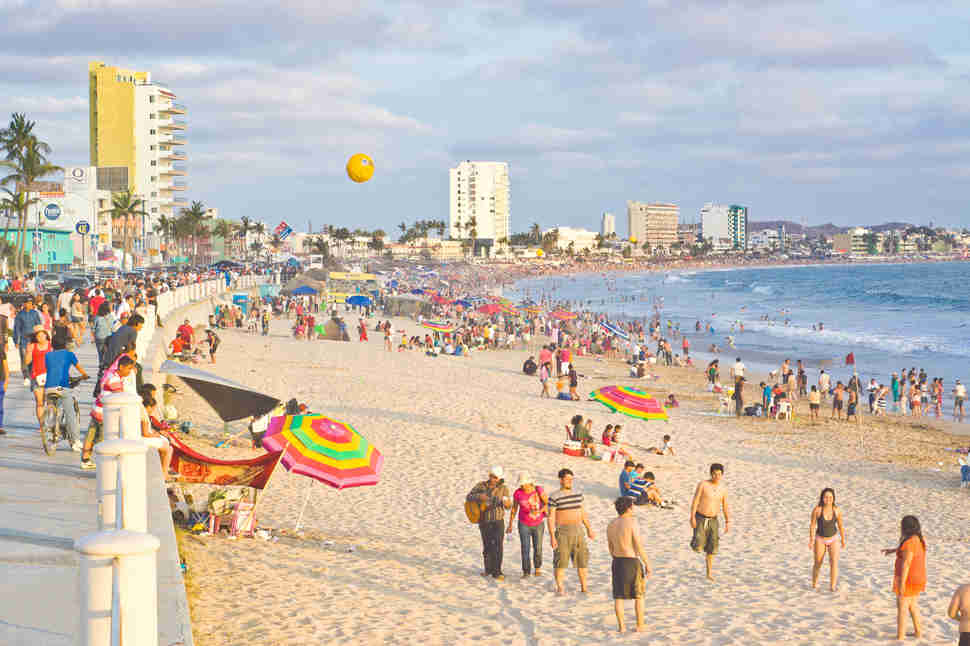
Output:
x=242 y=302
x=572 y=448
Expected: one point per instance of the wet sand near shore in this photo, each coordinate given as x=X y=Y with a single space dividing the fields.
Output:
x=413 y=576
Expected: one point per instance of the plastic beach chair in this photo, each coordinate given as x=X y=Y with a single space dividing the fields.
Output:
x=785 y=408
x=243 y=520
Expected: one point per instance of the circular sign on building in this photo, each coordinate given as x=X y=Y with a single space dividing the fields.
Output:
x=52 y=211
x=82 y=227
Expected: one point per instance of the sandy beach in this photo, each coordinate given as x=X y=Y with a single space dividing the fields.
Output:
x=441 y=423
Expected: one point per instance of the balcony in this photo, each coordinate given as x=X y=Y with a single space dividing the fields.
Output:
x=173 y=172
x=171 y=125
x=174 y=108
x=179 y=186
x=174 y=141
x=173 y=155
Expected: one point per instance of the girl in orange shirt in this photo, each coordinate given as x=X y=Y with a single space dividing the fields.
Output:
x=909 y=578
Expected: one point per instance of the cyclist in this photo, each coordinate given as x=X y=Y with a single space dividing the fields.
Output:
x=58 y=362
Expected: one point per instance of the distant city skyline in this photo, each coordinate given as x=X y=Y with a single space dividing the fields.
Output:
x=802 y=111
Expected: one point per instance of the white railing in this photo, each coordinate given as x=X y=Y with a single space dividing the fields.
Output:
x=118 y=564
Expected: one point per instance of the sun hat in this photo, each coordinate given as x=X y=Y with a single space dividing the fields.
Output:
x=526 y=478
x=496 y=471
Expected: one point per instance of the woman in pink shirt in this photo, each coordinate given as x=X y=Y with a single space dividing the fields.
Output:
x=531 y=502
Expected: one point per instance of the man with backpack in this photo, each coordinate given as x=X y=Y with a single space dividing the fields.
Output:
x=488 y=500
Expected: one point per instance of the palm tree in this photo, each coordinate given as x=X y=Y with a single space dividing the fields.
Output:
x=126 y=208
x=226 y=230
x=195 y=221
x=535 y=232
x=404 y=229
x=260 y=230
x=26 y=158
x=166 y=227
x=14 y=203
x=256 y=247
x=245 y=226
x=472 y=227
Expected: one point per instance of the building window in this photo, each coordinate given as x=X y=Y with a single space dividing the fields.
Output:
x=154 y=179
x=151 y=132
x=152 y=147
x=154 y=193
x=151 y=99
x=154 y=163
x=151 y=115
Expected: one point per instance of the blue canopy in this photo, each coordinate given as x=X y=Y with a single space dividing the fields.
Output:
x=304 y=290
x=357 y=299
x=417 y=292
x=463 y=303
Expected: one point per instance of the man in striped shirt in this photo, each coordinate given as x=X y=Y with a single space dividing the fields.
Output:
x=566 y=519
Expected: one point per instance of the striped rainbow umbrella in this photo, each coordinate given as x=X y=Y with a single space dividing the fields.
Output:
x=438 y=327
x=563 y=315
x=629 y=401
x=324 y=449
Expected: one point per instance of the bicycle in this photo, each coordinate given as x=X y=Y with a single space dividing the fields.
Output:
x=53 y=426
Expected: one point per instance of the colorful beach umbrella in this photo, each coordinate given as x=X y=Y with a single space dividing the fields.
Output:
x=563 y=315
x=438 y=327
x=440 y=300
x=358 y=299
x=629 y=401
x=463 y=303
x=324 y=449
x=535 y=310
x=611 y=328
x=490 y=308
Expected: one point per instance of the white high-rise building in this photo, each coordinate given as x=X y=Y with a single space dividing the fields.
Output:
x=714 y=226
x=608 y=225
x=725 y=227
x=479 y=202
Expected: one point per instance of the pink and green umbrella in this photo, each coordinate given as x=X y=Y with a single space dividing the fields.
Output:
x=324 y=449
x=629 y=401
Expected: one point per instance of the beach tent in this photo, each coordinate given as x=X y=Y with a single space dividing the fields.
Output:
x=231 y=401
x=304 y=290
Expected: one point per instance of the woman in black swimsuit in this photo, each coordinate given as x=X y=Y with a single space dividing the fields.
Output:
x=826 y=534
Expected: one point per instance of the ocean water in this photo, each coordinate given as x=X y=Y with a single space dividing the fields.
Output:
x=890 y=316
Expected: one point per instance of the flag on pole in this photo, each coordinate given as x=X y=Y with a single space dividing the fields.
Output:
x=283 y=230
x=850 y=359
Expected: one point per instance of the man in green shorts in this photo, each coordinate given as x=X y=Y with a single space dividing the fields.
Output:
x=566 y=520
x=710 y=498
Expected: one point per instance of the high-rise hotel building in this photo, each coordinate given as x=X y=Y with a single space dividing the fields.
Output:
x=479 y=196
x=137 y=124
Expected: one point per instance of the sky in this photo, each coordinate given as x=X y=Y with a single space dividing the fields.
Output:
x=810 y=111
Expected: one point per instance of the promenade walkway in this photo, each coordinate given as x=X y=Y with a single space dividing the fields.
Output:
x=46 y=502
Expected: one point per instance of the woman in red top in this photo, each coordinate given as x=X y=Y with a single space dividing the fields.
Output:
x=37 y=349
x=909 y=578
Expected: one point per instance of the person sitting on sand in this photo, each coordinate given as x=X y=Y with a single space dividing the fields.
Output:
x=530 y=366
x=671 y=402
x=650 y=494
x=611 y=439
x=666 y=449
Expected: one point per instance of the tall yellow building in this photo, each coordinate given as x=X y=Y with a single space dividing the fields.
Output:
x=137 y=124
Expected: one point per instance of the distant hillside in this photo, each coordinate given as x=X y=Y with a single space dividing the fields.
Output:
x=827 y=230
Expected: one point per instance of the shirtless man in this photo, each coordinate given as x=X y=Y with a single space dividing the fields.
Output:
x=567 y=517
x=959 y=610
x=709 y=498
x=630 y=564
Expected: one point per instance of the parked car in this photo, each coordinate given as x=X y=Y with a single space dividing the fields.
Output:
x=50 y=281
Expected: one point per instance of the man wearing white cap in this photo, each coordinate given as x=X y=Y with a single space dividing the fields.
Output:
x=494 y=498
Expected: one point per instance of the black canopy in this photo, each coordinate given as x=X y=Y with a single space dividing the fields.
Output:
x=230 y=400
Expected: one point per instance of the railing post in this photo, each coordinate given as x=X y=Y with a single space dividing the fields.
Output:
x=122 y=416
x=122 y=485
x=118 y=589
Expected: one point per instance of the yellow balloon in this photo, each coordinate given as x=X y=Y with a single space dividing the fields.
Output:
x=540 y=253
x=633 y=240
x=360 y=168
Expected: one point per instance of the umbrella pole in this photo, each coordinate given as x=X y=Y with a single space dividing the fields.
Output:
x=306 y=499
x=259 y=497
